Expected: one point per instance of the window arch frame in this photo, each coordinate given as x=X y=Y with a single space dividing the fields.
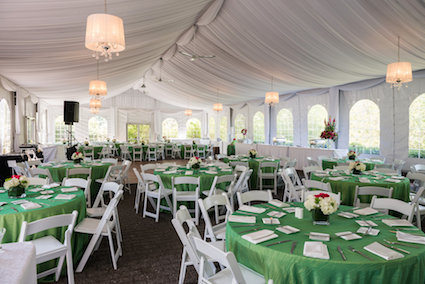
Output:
x=211 y=128
x=288 y=128
x=59 y=138
x=420 y=125
x=166 y=132
x=238 y=118
x=223 y=129
x=259 y=115
x=312 y=129
x=195 y=133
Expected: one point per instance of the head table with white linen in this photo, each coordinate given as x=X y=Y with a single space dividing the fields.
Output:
x=272 y=256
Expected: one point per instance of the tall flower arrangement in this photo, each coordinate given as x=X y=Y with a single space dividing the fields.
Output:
x=329 y=132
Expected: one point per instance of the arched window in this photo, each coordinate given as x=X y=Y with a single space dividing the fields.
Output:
x=193 y=128
x=417 y=128
x=285 y=126
x=60 y=129
x=240 y=123
x=5 y=129
x=223 y=128
x=258 y=122
x=364 y=127
x=98 y=129
x=170 y=128
x=316 y=121
x=211 y=127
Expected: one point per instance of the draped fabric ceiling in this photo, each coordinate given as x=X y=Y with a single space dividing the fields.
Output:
x=303 y=44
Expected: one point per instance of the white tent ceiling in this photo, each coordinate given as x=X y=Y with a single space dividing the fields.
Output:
x=303 y=44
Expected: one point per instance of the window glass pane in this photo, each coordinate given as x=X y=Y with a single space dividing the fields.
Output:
x=364 y=127
x=258 y=121
x=240 y=124
x=60 y=129
x=132 y=133
x=193 y=128
x=211 y=127
x=285 y=126
x=170 y=128
x=144 y=131
x=5 y=129
x=223 y=128
x=316 y=121
x=98 y=129
x=417 y=128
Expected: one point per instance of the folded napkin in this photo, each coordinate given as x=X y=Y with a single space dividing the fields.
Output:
x=321 y=175
x=316 y=250
x=2 y=203
x=392 y=180
x=57 y=166
x=35 y=189
x=47 y=186
x=47 y=192
x=348 y=215
x=189 y=173
x=44 y=197
x=397 y=177
x=384 y=252
x=289 y=209
x=366 y=223
x=252 y=209
x=159 y=170
x=397 y=222
x=30 y=205
x=278 y=203
x=271 y=221
x=65 y=196
x=409 y=238
x=170 y=172
x=276 y=214
x=211 y=172
x=364 y=180
x=19 y=201
x=288 y=229
x=319 y=236
x=2 y=190
x=336 y=178
x=260 y=236
x=365 y=211
x=348 y=236
x=72 y=189
x=368 y=231
x=320 y=172
x=242 y=219
x=77 y=166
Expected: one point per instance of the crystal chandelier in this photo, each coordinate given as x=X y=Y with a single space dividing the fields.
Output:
x=272 y=97
x=97 y=87
x=105 y=35
x=399 y=73
x=217 y=106
x=95 y=105
x=188 y=112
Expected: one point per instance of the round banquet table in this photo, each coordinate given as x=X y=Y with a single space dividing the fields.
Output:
x=277 y=263
x=347 y=186
x=12 y=220
x=329 y=164
x=98 y=170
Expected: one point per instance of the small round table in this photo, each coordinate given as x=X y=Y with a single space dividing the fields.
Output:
x=277 y=263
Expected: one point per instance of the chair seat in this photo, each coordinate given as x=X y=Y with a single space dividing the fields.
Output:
x=155 y=193
x=100 y=180
x=89 y=226
x=220 y=231
x=226 y=276
x=47 y=245
x=217 y=191
x=95 y=212
x=221 y=245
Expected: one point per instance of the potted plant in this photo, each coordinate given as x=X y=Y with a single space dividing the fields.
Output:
x=16 y=186
x=357 y=168
x=194 y=163
x=252 y=153
x=77 y=157
x=321 y=206
x=351 y=155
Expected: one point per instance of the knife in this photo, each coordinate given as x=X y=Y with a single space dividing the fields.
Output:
x=359 y=252
x=395 y=248
x=341 y=253
x=15 y=209
x=294 y=244
x=401 y=244
x=247 y=225
x=276 y=243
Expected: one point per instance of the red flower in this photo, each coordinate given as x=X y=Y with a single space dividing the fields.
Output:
x=16 y=176
x=321 y=195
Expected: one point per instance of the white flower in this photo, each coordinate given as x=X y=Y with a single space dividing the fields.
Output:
x=328 y=205
x=194 y=161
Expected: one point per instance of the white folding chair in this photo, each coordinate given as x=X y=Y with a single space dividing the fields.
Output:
x=293 y=185
x=188 y=151
x=78 y=171
x=140 y=190
x=39 y=172
x=88 y=152
x=151 y=153
x=114 y=173
x=124 y=176
x=388 y=171
x=220 y=180
x=38 y=181
x=160 y=152
x=48 y=247
x=398 y=165
x=100 y=228
x=418 y=168
x=158 y=192
x=148 y=167
x=105 y=152
x=84 y=184
x=218 y=231
x=417 y=178
x=234 y=271
x=315 y=184
x=263 y=175
x=112 y=161
x=176 y=152
x=254 y=195
x=337 y=196
x=420 y=209
x=370 y=190
x=188 y=196
x=137 y=153
x=125 y=153
x=201 y=151
x=308 y=170
x=312 y=162
x=245 y=182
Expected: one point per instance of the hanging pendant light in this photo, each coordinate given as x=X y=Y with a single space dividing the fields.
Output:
x=399 y=73
x=272 y=97
x=105 y=35
x=95 y=104
x=97 y=87
x=188 y=112
x=218 y=106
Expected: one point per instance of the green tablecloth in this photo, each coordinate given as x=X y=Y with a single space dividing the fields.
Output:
x=276 y=262
x=329 y=164
x=231 y=149
x=97 y=171
x=347 y=187
x=12 y=220
x=254 y=164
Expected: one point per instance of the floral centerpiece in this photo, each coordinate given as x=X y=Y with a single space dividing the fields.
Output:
x=194 y=163
x=77 y=157
x=143 y=142
x=114 y=140
x=252 y=153
x=351 y=155
x=193 y=142
x=357 y=167
x=244 y=132
x=329 y=132
x=321 y=205
x=86 y=142
x=16 y=186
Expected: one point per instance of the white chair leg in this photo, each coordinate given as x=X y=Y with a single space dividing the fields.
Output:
x=69 y=266
x=87 y=253
x=59 y=268
x=183 y=267
x=158 y=204
x=174 y=204
x=196 y=213
x=170 y=204
x=111 y=248
x=137 y=200
x=144 y=205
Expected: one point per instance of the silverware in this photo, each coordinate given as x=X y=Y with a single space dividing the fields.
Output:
x=294 y=244
x=248 y=225
x=246 y=213
x=341 y=253
x=395 y=248
x=359 y=252
x=249 y=230
x=401 y=244
x=15 y=209
x=276 y=243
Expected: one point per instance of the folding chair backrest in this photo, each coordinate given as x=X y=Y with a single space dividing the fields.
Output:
x=106 y=187
x=308 y=170
x=418 y=195
x=268 y=165
x=293 y=175
x=110 y=160
x=186 y=180
x=315 y=184
x=78 y=182
x=418 y=168
x=395 y=205
x=254 y=195
x=140 y=181
x=79 y=171
x=109 y=212
x=37 y=172
x=38 y=181
x=312 y=162
x=337 y=197
x=11 y=163
x=148 y=167
x=417 y=177
x=225 y=179
x=152 y=179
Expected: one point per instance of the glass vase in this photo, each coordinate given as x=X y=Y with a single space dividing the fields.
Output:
x=319 y=218
x=16 y=192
